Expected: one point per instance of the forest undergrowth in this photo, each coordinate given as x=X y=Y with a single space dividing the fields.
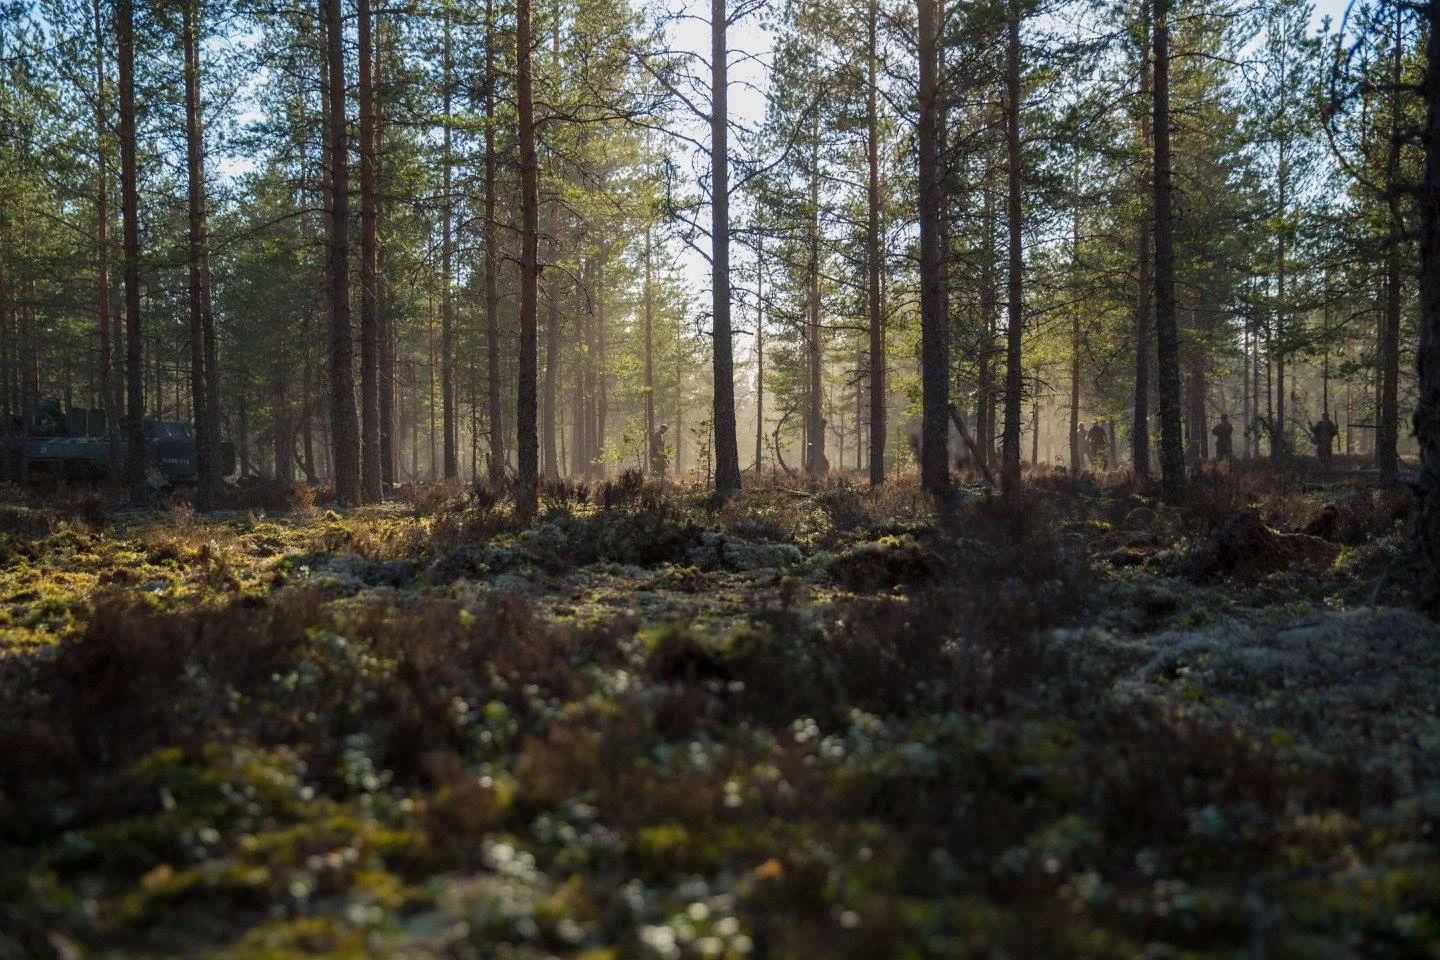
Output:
x=812 y=721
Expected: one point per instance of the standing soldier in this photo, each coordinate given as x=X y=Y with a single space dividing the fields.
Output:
x=1224 y=431
x=1097 y=440
x=659 y=453
x=1323 y=434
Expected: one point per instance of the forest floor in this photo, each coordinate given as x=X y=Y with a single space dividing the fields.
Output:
x=815 y=721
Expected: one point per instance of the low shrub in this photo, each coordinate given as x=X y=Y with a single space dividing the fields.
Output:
x=263 y=493
x=887 y=563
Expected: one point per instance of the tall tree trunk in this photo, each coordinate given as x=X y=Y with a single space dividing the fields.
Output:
x=389 y=455
x=1280 y=439
x=430 y=372
x=473 y=380
x=344 y=428
x=1196 y=416
x=548 y=419
x=679 y=398
x=1387 y=455
x=242 y=433
x=6 y=407
x=283 y=434
x=577 y=407
x=1427 y=358
x=202 y=319
x=727 y=451
x=384 y=315
x=815 y=460
x=860 y=413
x=759 y=354
x=7 y=299
x=587 y=372
x=307 y=438
x=109 y=387
x=872 y=249
x=492 y=263
x=1015 y=319
x=578 y=416
x=29 y=350
x=371 y=478
x=1035 y=423
x=447 y=297
x=1387 y=432
x=1255 y=389
x=527 y=443
x=1140 y=424
x=130 y=243
x=934 y=320
x=1076 y=447
x=985 y=372
x=649 y=294
x=415 y=435
x=1246 y=362
x=602 y=398
x=1167 y=341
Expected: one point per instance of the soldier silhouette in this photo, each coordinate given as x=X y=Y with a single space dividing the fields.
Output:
x=1097 y=439
x=659 y=455
x=1224 y=433
x=1323 y=435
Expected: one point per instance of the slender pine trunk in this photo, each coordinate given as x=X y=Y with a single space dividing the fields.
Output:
x=1076 y=447
x=934 y=320
x=527 y=443
x=550 y=465
x=202 y=321
x=371 y=478
x=1140 y=423
x=872 y=251
x=815 y=459
x=1388 y=430
x=130 y=245
x=727 y=452
x=985 y=366
x=1427 y=359
x=1015 y=319
x=447 y=266
x=759 y=354
x=344 y=428
x=496 y=458
x=1172 y=450
x=649 y=355
x=384 y=313
x=108 y=385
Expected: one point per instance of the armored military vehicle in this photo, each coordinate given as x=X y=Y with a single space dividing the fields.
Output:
x=49 y=447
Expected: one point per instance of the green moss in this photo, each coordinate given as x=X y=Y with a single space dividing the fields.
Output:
x=806 y=716
x=891 y=561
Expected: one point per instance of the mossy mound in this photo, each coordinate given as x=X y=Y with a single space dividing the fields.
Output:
x=1242 y=545
x=891 y=561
